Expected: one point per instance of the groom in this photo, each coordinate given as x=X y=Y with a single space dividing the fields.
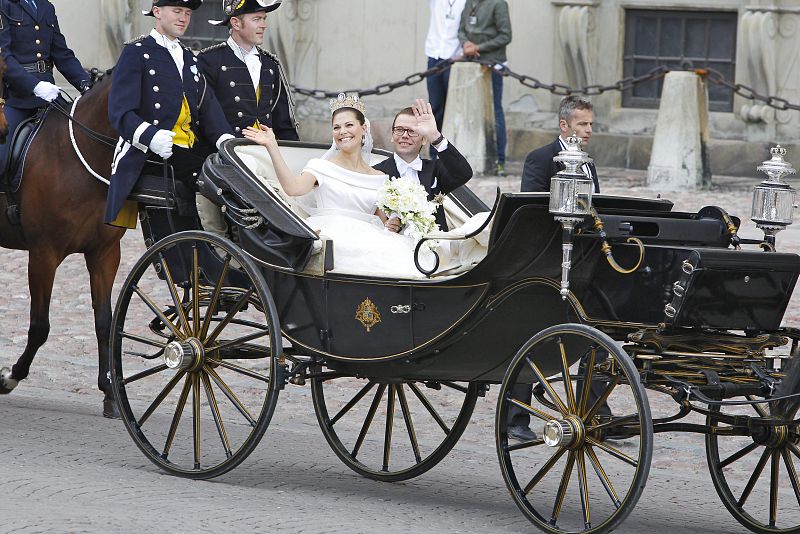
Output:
x=411 y=128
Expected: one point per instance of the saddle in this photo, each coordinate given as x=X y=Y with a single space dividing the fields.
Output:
x=20 y=141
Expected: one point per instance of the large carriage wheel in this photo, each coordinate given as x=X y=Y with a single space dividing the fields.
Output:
x=391 y=430
x=756 y=476
x=573 y=477
x=194 y=355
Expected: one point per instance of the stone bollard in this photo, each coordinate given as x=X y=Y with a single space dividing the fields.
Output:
x=469 y=115
x=679 y=160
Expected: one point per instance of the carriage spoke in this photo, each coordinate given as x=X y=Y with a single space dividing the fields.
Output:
x=412 y=435
x=525 y=444
x=787 y=460
x=161 y=317
x=567 y=379
x=368 y=420
x=616 y=422
x=176 y=299
x=613 y=452
x=144 y=374
x=215 y=295
x=735 y=457
x=144 y=340
x=160 y=397
x=387 y=440
x=196 y=418
x=762 y=412
x=588 y=370
x=176 y=418
x=546 y=385
x=195 y=291
x=347 y=407
x=228 y=318
x=231 y=395
x=457 y=387
x=241 y=370
x=428 y=406
x=583 y=485
x=795 y=450
x=773 y=487
x=212 y=402
x=601 y=474
x=562 y=488
x=599 y=402
x=754 y=478
x=530 y=409
x=233 y=343
x=544 y=470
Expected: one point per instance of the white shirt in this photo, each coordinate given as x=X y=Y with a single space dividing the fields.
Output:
x=442 y=41
x=173 y=47
x=251 y=59
x=585 y=167
x=408 y=170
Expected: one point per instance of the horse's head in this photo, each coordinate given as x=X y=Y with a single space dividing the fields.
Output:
x=3 y=122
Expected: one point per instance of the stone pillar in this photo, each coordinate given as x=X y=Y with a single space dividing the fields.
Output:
x=469 y=115
x=679 y=160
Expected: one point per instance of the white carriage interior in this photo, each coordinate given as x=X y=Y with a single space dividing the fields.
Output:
x=462 y=254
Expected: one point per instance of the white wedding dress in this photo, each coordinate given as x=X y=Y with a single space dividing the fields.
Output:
x=342 y=208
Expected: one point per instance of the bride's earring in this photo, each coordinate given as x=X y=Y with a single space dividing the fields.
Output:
x=363 y=141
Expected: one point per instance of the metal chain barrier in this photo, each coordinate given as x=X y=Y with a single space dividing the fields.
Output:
x=712 y=75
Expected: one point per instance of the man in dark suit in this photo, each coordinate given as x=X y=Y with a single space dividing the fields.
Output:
x=411 y=128
x=575 y=115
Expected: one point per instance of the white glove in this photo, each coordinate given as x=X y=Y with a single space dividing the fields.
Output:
x=161 y=143
x=46 y=91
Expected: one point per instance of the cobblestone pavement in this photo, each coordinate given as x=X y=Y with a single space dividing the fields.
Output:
x=66 y=469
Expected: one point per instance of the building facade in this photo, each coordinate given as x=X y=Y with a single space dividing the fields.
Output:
x=348 y=44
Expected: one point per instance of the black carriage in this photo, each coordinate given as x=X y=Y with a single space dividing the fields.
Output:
x=207 y=332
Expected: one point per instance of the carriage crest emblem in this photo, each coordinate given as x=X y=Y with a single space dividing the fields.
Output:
x=367 y=314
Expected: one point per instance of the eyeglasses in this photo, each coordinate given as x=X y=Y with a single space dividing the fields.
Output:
x=399 y=131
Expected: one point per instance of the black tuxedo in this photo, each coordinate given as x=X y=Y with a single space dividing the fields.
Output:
x=450 y=171
x=540 y=167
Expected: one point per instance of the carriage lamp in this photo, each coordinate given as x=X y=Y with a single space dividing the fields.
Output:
x=773 y=199
x=570 y=200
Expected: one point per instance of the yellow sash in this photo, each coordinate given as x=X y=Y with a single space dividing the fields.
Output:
x=184 y=136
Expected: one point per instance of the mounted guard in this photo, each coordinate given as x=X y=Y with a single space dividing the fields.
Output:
x=160 y=104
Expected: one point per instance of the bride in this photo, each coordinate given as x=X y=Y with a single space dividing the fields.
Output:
x=365 y=240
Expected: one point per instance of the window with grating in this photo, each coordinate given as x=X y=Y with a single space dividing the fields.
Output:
x=679 y=39
x=202 y=34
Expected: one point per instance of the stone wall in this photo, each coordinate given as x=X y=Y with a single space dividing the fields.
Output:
x=345 y=44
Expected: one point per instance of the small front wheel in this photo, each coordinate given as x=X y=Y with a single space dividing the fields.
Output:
x=588 y=464
x=194 y=349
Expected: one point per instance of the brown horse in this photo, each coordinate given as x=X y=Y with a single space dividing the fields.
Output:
x=61 y=212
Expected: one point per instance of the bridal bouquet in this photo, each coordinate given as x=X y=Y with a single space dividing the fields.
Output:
x=409 y=201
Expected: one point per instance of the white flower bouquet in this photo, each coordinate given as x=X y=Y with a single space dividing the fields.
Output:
x=408 y=200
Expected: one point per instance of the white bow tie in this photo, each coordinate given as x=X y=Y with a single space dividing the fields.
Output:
x=403 y=167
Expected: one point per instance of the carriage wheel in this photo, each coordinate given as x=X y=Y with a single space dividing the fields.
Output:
x=756 y=475
x=573 y=477
x=391 y=430
x=194 y=355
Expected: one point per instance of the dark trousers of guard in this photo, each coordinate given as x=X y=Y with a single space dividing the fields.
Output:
x=524 y=392
x=181 y=181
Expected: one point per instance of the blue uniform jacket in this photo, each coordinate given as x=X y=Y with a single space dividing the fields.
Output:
x=26 y=38
x=230 y=79
x=146 y=96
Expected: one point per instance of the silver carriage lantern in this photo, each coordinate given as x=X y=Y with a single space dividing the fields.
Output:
x=570 y=200
x=773 y=199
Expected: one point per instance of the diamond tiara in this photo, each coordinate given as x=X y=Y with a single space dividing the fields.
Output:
x=345 y=101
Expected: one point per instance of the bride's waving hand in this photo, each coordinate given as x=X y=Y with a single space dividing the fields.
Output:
x=292 y=185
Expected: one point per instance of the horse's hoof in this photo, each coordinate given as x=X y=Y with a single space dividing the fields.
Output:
x=110 y=409
x=7 y=384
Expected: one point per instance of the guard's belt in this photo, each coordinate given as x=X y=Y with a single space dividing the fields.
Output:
x=40 y=66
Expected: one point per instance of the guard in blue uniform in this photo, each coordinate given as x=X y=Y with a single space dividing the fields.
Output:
x=249 y=81
x=159 y=104
x=32 y=44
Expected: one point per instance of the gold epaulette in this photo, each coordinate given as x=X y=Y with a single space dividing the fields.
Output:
x=135 y=40
x=214 y=47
